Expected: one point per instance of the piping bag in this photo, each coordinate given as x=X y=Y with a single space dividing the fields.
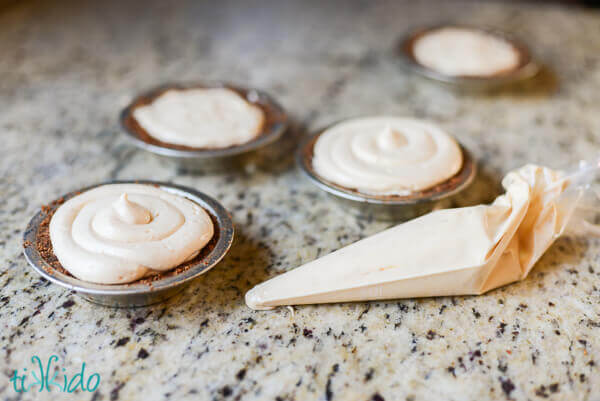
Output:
x=462 y=251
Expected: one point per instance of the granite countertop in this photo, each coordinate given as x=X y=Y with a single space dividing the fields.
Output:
x=69 y=67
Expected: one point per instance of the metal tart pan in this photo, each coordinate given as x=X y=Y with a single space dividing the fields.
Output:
x=136 y=294
x=209 y=159
x=388 y=207
x=526 y=69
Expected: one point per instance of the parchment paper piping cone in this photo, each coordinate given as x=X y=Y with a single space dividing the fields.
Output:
x=460 y=251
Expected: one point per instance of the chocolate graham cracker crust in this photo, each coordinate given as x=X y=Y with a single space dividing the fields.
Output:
x=272 y=114
x=43 y=245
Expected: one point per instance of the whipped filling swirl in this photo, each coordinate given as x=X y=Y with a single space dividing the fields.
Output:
x=119 y=233
x=386 y=155
x=465 y=52
x=201 y=118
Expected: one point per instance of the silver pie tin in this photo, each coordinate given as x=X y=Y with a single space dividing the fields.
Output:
x=526 y=69
x=209 y=159
x=136 y=294
x=387 y=207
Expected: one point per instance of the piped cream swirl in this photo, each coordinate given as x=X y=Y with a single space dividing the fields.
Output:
x=119 y=233
x=201 y=118
x=386 y=155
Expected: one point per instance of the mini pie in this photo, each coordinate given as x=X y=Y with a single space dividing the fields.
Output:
x=200 y=117
x=457 y=51
x=387 y=158
x=123 y=233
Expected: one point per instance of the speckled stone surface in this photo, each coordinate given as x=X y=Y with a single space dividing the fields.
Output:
x=68 y=68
